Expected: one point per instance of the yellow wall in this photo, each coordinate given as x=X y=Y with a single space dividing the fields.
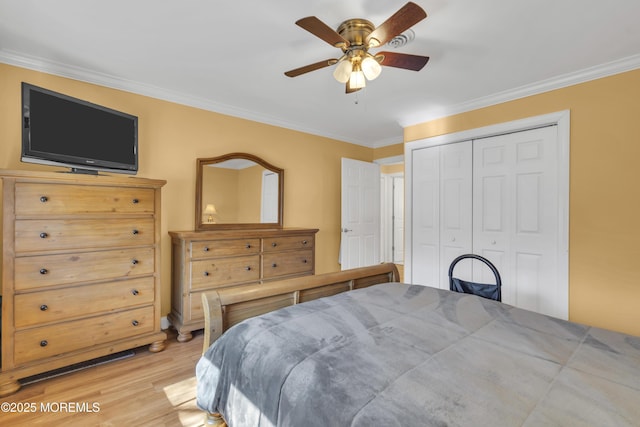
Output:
x=604 y=217
x=172 y=136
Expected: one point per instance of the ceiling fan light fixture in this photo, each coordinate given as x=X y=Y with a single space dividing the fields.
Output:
x=357 y=80
x=371 y=68
x=342 y=73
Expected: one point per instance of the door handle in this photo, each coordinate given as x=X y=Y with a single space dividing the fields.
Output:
x=346 y=230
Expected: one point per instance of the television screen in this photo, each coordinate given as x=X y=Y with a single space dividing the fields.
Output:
x=61 y=130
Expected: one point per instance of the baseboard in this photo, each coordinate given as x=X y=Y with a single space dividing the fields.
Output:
x=164 y=323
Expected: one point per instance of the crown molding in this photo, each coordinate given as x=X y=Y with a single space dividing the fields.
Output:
x=106 y=80
x=582 y=76
x=103 y=79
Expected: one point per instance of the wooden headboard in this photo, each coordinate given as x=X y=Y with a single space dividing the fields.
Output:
x=226 y=307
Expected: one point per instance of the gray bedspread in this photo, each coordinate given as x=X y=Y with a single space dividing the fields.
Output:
x=403 y=355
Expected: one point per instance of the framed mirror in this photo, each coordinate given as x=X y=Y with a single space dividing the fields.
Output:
x=238 y=190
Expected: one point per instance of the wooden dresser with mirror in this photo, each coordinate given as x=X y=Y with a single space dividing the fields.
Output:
x=238 y=238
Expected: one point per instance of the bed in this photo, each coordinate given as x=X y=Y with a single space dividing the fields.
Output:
x=379 y=352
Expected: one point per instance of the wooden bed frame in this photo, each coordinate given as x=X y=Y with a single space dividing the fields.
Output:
x=226 y=307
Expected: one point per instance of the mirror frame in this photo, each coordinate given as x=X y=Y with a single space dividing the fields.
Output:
x=202 y=162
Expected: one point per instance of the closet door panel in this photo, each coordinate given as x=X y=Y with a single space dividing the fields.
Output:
x=425 y=250
x=455 y=207
x=516 y=198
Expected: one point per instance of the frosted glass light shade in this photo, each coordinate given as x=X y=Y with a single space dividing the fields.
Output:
x=342 y=71
x=357 y=81
x=371 y=68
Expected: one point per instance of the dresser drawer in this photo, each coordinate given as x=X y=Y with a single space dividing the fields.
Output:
x=207 y=274
x=54 y=199
x=220 y=248
x=272 y=244
x=46 y=341
x=38 y=308
x=288 y=263
x=32 y=272
x=57 y=234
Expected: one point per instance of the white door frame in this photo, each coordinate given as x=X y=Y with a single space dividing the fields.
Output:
x=562 y=120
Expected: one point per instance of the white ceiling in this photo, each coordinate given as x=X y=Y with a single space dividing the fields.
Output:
x=230 y=56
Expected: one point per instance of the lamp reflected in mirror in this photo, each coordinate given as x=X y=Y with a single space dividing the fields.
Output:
x=210 y=211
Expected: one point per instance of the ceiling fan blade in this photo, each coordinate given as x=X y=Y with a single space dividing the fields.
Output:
x=408 y=15
x=402 y=60
x=310 y=67
x=323 y=31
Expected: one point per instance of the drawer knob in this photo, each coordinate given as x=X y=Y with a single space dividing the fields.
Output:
x=248 y=246
x=135 y=201
x=43 y=235
x=274 y=244
x=134 y=292
x=248 y=268
x=304 y=261
x=135 y=232
x=274 y=265
x=206 y=249
x=44 y=343
x=206 y=273
x=135 y=323
x=304 y=242
x=43 y=271
x=44 y=307
x=134 y=261
x=44 y=199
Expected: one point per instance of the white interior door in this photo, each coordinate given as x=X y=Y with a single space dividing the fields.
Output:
x=398 y=220
x=516 y=225
x=520 y=210
x=425 y=220
x=455 y=207
x=360 y=225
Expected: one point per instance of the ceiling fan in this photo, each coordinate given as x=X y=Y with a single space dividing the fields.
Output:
x=355 y=37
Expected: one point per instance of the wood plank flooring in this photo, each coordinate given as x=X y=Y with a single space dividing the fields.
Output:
x=147 y=389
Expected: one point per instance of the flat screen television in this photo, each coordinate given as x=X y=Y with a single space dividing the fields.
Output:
x=60 y=130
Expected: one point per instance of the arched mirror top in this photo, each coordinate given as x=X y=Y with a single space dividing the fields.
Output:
x=238 y=190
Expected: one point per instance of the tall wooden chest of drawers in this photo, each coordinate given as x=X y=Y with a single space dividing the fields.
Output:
x=80 y=270
x=208 y=260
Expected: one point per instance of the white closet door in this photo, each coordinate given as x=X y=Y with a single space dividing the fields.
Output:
x=455 y=208
x=516 y=223
x=425 y=219
x=442 y=214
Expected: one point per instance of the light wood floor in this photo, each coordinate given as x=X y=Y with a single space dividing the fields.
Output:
x=148 y=389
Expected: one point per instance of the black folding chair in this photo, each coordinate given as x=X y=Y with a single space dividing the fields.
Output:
x=481 y=289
